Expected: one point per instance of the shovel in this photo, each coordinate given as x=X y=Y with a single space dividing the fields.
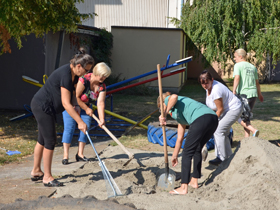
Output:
x=130 y=155
x=166 y=178
x=8 y=152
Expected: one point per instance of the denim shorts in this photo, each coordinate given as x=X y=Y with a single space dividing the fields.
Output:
x=70 y=126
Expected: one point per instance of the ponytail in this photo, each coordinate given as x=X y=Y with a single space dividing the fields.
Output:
x=82 y=58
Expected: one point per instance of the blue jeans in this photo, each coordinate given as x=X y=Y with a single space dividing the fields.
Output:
x=70 y=126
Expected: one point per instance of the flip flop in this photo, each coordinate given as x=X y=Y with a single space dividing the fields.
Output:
x=256 y=134
x=175 y=192
x=37 y=178
x=53 y=183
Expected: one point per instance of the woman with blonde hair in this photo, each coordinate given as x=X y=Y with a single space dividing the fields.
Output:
x=202 y=122
x=246 y=83
x=90 y=88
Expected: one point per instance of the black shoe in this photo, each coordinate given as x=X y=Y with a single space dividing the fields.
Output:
x=65 y=161
x=216 y=161
x=53 y=183
x=78 y=158
x=37 y=178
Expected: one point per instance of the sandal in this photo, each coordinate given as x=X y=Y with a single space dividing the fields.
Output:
x=65 y=161
x=37 y=178
x=53 y=183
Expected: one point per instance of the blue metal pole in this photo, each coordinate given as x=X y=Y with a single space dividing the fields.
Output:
x=149 y=73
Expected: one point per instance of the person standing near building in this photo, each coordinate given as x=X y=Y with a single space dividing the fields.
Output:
x=228 y=109
x=52 y=99
x=246 y=82
x=90 y=89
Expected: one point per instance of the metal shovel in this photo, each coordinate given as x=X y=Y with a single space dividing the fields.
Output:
x=166 y=178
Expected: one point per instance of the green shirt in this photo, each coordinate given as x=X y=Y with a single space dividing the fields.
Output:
x=248 y=75
x=187 y=110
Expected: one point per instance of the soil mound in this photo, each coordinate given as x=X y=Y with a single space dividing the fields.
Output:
x=249 y=179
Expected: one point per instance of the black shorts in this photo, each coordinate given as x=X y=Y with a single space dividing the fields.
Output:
x=46 y=126
x=251 y=102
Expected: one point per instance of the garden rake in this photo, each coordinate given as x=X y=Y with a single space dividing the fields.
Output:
x=111 y=186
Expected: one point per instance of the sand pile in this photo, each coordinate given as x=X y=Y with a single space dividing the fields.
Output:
x=250 y=179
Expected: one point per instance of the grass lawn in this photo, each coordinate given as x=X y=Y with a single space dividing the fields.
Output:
x=21 y=135
x=266 y=116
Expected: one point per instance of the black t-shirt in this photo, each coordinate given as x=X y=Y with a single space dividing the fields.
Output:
x=49 y=96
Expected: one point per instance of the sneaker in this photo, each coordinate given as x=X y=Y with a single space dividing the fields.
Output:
x=216 y=161
x=204 y=153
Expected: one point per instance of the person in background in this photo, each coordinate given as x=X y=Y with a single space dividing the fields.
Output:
x=246 y=82
x=90 y=88
x=52 y=99
x=202 y=122
x=228 y=109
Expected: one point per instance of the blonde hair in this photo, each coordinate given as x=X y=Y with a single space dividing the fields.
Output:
x=243 y=54
x=164 y=95
x=101 y=69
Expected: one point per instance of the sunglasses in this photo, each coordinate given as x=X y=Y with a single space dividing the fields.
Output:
x=204 y=81
x=87 y=70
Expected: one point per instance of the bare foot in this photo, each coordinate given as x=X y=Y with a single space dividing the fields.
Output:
x=193 y=185
x=47 y=179
x=194 y=182
x=180 y=191
x=37 y=173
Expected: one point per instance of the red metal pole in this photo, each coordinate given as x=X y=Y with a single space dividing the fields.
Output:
x=143 y=82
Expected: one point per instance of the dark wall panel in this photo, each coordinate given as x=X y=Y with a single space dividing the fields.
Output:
x=28 y=61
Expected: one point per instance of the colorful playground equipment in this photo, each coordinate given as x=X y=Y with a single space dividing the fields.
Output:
x=155 y=135
x=167 y=66
x=122 y=118
x=110 y=92
x=26 y=107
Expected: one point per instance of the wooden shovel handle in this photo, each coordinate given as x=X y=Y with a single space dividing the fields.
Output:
x=161 y=109
x=130 y=155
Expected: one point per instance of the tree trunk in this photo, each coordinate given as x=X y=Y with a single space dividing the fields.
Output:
x=268 y=73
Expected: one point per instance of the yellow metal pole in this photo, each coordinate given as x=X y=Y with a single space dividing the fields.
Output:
x=33 y=83
x=122 y=118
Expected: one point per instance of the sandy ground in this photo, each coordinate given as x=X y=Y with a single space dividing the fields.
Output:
x=250 y=179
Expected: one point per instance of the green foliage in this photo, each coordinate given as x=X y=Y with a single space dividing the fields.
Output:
x=23 y=17
x=219 y=27
x=101 y=46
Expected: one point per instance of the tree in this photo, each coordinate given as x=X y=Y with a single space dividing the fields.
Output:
x=23 y=17
x=219 y=27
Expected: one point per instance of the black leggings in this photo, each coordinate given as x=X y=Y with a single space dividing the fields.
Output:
x=200 y=131
x=46 y=126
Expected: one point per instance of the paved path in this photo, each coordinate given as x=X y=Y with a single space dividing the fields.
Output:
x=15 y=177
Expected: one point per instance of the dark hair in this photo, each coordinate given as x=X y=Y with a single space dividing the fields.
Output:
x=204 y=75
x=82 y=58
